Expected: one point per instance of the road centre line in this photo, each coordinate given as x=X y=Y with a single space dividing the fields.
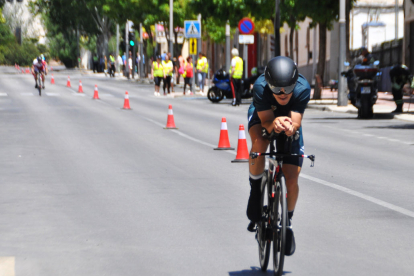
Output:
x=314 y=179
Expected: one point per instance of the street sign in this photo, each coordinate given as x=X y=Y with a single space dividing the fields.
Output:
x=192 y=29
x=246 y=26
x=193 y=46
x=246 y=39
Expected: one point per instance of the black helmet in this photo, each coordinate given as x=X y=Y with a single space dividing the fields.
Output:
x=39 y=59
x=281 y=72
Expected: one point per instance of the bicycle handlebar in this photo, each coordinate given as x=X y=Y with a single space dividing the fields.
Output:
x=273 y=136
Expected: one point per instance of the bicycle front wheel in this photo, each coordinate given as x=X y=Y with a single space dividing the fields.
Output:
x=262 y=227
x=39 y=83
x=279 y=225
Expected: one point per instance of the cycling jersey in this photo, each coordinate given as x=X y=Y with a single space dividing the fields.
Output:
x=263 y=99
x=40 y=66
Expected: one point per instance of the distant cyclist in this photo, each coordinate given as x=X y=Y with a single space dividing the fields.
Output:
x=280 y=98
x=39 y=66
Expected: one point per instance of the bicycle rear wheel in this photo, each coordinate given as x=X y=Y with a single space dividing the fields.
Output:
x=262 y=227
x=39 y=83
x=279 y=226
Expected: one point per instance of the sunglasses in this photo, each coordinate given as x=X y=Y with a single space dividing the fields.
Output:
x=277 y=90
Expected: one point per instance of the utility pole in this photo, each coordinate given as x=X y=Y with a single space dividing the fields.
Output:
x=127 y=49
x=277 y=29
x=117 y=48
x=199 y=39
x=396 y=20
x=342 y=98
x=171 y=30
x=141 y=56
x=228 y=50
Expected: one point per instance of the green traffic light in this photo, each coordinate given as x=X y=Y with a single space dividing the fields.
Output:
x=132 y=43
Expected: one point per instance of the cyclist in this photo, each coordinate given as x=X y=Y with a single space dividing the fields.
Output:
x=39 y=66
x=280 y=98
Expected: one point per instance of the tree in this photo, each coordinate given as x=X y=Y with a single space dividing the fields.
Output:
x=292 y=13
x=322 y=13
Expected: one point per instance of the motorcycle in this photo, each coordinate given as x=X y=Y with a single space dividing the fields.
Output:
x=363 y=87
x=221 y=87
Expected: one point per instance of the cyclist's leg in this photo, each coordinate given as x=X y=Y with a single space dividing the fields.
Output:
x=256 y=166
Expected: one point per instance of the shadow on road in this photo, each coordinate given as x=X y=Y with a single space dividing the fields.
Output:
x=406 y=126
x=254 y=271
x=377 y=116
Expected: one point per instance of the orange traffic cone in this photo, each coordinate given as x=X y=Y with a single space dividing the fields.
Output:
x=170 y=119
x=68 y=82
x=242 y=151
x=52 y=80
x=126 y=102
x=95 y=93
x=27 y=70
x=80 y=89
x=224 y=143
x=23 y=71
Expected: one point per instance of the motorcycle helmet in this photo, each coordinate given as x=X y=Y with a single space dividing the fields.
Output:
x=281 y=72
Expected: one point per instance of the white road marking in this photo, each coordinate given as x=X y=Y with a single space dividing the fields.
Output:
x=360 y=195
x=2 y=94
x=7 y=266
x=314 y=179
x=52 y=94
x=79 y=94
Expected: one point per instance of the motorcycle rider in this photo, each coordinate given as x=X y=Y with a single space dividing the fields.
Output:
x=365 y=58
x=400 y=75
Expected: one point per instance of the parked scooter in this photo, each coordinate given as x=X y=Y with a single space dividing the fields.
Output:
x=363 y=87
x=221 y=86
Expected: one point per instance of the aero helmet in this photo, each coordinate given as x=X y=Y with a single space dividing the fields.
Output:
x=281 y=72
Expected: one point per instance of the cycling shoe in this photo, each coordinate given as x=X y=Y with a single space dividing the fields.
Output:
x=254 y=212
x=251 y=227
x=290 y=245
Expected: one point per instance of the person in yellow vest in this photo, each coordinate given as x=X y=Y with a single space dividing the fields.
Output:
x=168 y=67
x=157 y=73
x=202 y=69
x=236 y=73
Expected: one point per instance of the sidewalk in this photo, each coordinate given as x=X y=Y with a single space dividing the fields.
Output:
x=384 y=105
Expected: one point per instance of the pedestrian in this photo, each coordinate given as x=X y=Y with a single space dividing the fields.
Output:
x=400 y=75
x=101 y=64
x=164 y=55
x=130 y=63
x=202 y=69
x=123 y=64
x=188 y=74
x=236 y=73
x=95 y=63
x=175 y=70
x=157 y=74
x=120 y=63
x=168 y=68
x=106 y=65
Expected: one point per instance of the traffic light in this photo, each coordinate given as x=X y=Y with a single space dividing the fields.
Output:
x=131 y=38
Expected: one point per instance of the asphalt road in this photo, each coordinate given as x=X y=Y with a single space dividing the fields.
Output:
x=87 y=188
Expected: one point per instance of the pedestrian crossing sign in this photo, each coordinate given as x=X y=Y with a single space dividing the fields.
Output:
x=192 y=29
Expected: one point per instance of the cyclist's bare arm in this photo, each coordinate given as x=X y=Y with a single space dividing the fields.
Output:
x=267 y=117
x=278 y=124
x=296 y=123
